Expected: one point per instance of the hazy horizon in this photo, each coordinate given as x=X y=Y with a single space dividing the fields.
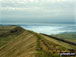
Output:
x=43 y=16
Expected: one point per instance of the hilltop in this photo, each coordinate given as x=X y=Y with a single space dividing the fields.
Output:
x=8 y=30
x=18 y=42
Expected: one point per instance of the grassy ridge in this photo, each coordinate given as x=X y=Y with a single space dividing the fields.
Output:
x=24 y=44
x=31 y=44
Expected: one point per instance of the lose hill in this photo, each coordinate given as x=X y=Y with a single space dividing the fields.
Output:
x=18 y=42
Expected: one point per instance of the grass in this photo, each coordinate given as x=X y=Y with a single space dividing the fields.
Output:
x=41 y=53
x=67 y=36
x=31 y=44
x=4 y=40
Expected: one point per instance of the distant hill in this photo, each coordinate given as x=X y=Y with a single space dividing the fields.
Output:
x=70 y=36
x=17 y=42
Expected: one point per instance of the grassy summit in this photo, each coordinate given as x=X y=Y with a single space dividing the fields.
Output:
x=17 y=42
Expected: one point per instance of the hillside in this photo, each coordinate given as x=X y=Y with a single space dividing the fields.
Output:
x=69 y=36
x=9 y=30
x=24 y=43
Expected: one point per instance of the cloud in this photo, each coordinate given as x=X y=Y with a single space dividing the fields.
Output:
x=37 y=10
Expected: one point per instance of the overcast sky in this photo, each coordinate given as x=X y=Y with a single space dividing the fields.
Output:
x=37 y=11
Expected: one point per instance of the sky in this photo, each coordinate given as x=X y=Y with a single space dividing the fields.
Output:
x=37 y=11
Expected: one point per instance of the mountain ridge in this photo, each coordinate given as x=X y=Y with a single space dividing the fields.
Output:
x=32 y=44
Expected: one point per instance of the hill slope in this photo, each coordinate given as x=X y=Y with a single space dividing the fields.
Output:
x=30 y=44
x=69 y=36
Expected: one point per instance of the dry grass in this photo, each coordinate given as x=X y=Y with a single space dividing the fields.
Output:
x=31 y=44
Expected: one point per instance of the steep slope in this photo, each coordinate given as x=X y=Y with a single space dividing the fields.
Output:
x=8 y=33
x=31 y=44
x=53 y=47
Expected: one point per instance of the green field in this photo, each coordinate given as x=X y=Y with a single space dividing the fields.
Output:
x=69 y=36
